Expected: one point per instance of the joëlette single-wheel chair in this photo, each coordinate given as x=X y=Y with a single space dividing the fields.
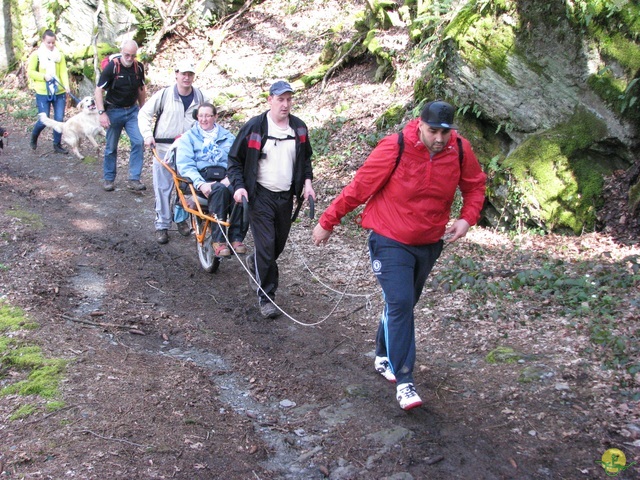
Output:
x=196 y=206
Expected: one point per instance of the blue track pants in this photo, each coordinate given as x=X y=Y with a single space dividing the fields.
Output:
x=402 y=271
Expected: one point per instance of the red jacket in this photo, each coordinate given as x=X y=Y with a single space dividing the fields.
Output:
x=412 y=203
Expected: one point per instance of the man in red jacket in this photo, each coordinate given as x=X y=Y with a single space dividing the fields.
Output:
x=408 y=183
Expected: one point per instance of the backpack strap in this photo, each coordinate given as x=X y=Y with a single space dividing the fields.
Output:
x=116 y=68
x=199 y=97
x=400 y=149
x=158 y=114
x=276 y=139
x=460 y=151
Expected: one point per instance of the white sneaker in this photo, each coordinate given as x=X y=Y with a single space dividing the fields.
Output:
x=383 y=367
x=407 y=396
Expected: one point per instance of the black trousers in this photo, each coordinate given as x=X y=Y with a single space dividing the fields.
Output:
x=270 y=219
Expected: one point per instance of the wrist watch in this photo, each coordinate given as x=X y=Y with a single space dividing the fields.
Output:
x=100 y=112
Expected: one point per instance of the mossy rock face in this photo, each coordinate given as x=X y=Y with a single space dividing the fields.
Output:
x=484 y=141
x=383 y=57
x=483 y=41
x=561 y=174
x=315 y=76
x=391 y=117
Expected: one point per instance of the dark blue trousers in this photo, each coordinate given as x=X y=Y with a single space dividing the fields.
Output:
x=402 y=271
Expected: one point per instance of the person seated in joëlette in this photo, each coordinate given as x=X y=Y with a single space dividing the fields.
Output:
x=201 y=156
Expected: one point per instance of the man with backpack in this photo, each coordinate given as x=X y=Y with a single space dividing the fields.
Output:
x=123 y=81
x=270 y=165
x=408 y=183
x=173 y=109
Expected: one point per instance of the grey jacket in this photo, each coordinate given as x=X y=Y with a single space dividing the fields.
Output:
x=173 y=121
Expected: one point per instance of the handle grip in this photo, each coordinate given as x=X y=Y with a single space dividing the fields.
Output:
x=245 y=213
x=312 y=207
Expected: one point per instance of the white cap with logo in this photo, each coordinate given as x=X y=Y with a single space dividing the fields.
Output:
x=185 y=66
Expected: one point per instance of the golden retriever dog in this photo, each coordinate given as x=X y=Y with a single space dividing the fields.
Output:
x=85 y=124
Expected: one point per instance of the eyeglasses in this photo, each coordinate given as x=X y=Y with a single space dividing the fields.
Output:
x=129 y=55
x=205 y=116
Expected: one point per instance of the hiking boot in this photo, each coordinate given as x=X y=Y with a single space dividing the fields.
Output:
x=108 y=186
x=221 y=249
x=34 y=142
x=184 y=228
x=383 y=367
x=136 y=185
x=162 y=236
x=239 y=247
x=251 y=265
x=269 y=310
x=59 y=149
x=407 y=396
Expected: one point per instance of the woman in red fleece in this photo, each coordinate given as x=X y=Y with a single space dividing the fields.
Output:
x=408 y=203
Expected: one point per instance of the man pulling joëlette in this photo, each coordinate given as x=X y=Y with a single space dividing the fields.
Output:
x=270 y=163
x=408 y=204
x=173 y=108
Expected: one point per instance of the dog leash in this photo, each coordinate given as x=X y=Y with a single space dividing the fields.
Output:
x=54 y=81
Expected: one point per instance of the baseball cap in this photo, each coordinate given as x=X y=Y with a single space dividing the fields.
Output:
x=438 y=114
x=185 y=66
x=280 y=87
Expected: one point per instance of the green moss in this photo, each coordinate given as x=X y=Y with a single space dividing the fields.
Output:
x=391 y=117
x=23 y=412
x=315 y=76
x=634 y=198
x=560 y=179
x=486 y=144
x=485 y=42
x=503 y=355
x=624 y=50
x=90 y=160
x=43 y=374
x=12 y=318
x=55 y=405
x=630 y=16
x=24 y=357
x=373 y=45
x=29 y=219
x=383 y=57
x=14 y=18
x=42 y=381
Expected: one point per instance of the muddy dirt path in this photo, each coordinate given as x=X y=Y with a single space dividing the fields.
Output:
x=173 y=374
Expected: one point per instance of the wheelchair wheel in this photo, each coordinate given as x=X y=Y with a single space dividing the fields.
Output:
x=208 y=260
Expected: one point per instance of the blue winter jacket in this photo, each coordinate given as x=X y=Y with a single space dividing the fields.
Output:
x=192 y=156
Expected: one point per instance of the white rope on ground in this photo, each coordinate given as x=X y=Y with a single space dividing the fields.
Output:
x=365 y=295
x=342 y=294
